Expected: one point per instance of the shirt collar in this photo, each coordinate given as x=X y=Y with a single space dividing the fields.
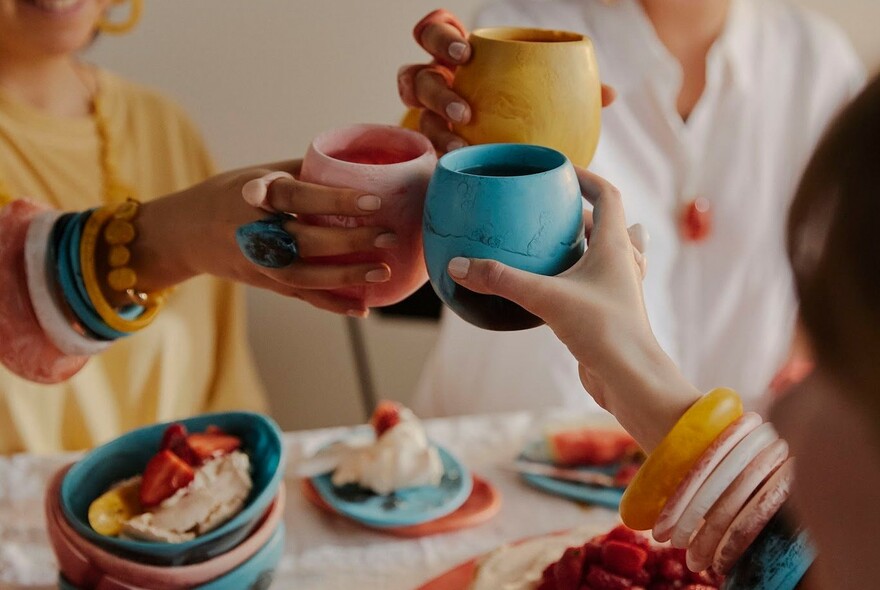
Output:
x=631 y=53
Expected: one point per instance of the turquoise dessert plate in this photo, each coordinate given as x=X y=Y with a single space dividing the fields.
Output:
x=405 y=507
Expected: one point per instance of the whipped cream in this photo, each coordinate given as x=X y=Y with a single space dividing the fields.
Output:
x=520 y=566
x=401 y=458
x=215 y=495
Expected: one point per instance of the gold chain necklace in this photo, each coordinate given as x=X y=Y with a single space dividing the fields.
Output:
x=115 y=191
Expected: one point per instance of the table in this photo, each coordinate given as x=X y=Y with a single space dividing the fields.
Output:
x=325 y=552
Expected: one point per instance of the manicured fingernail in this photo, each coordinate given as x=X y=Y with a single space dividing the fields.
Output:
x=458 y=267
x=456 y=111
x=369 y=203
x=388 y=240
x=378 y=275
x=639 y=237
x=456 y=50
x=455 y=144
x=357 y=313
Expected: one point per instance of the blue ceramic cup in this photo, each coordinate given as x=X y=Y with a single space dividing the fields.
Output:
x=516 y=203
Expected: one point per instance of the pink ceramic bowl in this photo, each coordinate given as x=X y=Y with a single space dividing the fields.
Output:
x=395 y=164
x=86 y=565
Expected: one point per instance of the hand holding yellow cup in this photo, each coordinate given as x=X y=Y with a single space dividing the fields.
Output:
x=532 y=86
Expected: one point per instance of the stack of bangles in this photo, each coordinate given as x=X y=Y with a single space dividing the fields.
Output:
x=64 y=288
x=712 y=484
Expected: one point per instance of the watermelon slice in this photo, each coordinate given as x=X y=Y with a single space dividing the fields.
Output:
x=590 y=446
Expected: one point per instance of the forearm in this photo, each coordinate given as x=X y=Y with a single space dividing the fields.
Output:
x=644 y=390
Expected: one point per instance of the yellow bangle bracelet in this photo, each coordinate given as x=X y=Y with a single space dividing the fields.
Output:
x=676 y=454
x=87 y=247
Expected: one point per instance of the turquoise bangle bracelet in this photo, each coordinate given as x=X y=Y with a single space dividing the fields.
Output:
x=70 y=279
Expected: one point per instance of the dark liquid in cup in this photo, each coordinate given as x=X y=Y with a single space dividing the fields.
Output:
x=503 y=170
x=380 y=156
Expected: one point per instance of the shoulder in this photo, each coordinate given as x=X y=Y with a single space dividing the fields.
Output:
x=534 y=13
x=809 y=41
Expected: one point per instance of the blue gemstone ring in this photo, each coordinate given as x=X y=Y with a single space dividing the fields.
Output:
x=266 y=243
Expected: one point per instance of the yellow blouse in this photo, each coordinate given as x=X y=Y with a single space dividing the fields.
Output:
x=194 y=358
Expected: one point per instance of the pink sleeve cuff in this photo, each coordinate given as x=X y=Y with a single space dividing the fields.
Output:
x=24 y=347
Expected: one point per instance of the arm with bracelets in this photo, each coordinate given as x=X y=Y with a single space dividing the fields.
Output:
x=714 y=476
x=72 y=283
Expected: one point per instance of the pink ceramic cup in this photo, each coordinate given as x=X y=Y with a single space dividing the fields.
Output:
x=88 y=566
x=395 y=164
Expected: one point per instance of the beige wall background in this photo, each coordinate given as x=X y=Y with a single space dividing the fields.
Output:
x=261 y=77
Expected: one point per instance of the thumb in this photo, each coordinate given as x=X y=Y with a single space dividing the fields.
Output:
x=491 y=277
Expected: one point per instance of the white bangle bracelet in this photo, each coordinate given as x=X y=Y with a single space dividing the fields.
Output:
x=45 y=299
x=720 y=479
x=752 y=519
x=702 y=469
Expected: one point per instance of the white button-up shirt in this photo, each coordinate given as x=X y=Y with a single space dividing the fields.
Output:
x=722 y=308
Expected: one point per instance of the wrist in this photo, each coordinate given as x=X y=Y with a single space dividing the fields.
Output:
x=655 y=395
x=161 y=253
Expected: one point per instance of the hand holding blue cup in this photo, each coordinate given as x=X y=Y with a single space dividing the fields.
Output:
x=516 y=203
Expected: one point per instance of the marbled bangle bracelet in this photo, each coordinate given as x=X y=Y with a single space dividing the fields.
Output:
x=705 y=465
x=703 y=545
x=44 y=295
x=720 y=479
x=754 y=517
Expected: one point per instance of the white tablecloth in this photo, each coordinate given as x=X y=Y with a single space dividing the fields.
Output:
x=325 y=552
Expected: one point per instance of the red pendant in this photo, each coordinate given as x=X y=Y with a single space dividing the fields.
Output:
x=696 y=220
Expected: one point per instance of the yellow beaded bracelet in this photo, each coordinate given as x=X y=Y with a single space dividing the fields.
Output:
x=88 y=245
x=676 y=454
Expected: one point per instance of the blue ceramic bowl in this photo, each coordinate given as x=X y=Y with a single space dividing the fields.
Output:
x=516 y=203
x=127 y=456
x=256 y=573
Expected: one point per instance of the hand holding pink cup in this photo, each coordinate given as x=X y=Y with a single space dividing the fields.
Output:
x=395 y=164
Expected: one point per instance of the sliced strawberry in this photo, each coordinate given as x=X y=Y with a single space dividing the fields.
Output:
x=569 y=570
x=165 y=474
x=601 y=579
x=175 y=440
x=593 y=551
x=623 y=558
x=207 y=446
x=671 y=570
x=174 y=434
x=627 y=535
x=385 y=417
x=214 y=429
x=642 y=577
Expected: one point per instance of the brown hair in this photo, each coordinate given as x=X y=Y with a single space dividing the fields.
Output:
x=834 y=247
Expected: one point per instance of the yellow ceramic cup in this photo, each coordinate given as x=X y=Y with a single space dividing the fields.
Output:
x=532 y=86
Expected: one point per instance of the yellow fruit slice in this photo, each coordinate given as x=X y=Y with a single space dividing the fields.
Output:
x=109 y=512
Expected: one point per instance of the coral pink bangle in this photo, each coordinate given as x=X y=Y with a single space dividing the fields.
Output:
x=706 y=542
x=701 y=470
x=720 y=479
x=749 y=523
x=46 y=298
x=24 y=347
